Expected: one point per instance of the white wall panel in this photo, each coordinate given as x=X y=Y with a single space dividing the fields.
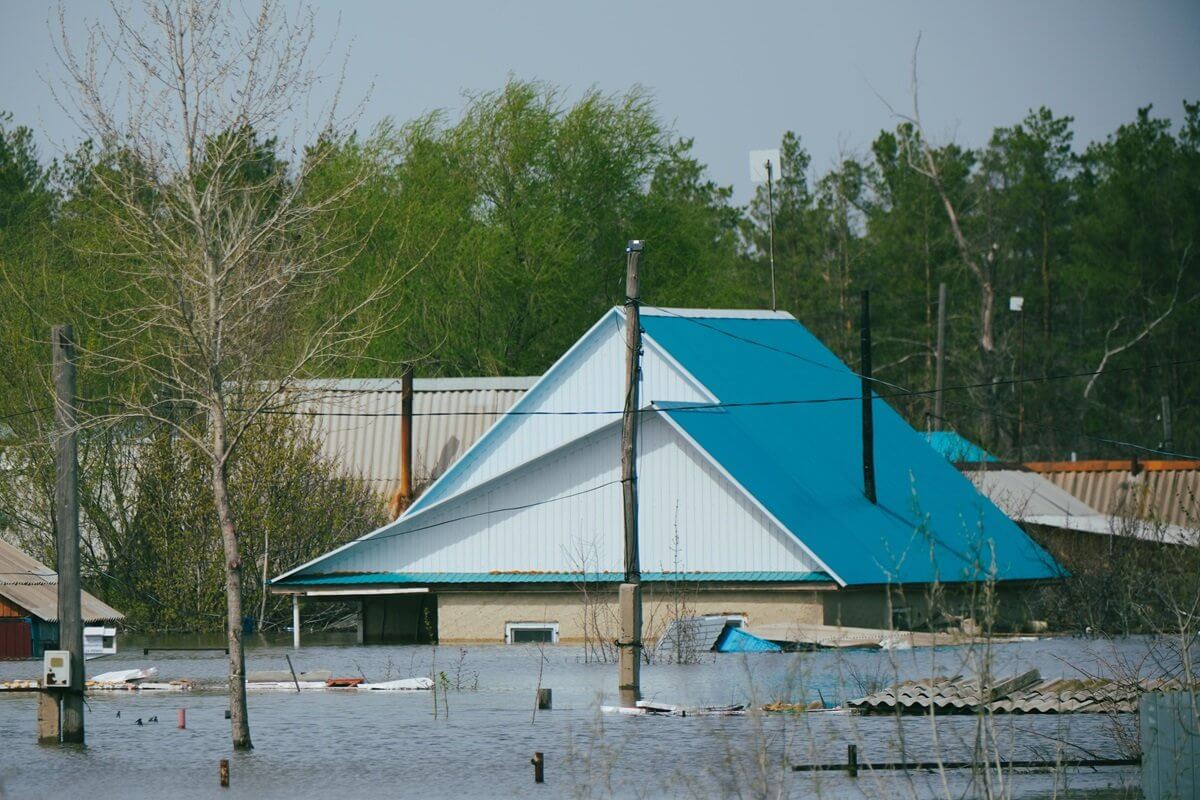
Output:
x=590 y=379
x=680 y=492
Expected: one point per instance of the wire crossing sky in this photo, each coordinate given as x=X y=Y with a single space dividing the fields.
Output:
x=736 y=75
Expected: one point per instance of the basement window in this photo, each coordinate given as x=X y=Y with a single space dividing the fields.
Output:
x=530 y=632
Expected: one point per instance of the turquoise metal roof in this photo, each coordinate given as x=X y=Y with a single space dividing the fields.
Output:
x=956 y=448
x=803 y=461
x=424 y=578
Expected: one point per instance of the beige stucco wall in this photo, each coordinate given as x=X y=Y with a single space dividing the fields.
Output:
x=869 y=607
x=481 y=616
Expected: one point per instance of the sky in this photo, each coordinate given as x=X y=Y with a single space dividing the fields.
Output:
x=735 y=75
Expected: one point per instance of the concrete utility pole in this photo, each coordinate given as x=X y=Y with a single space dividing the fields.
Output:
x=66 y=510
x=868 y=420
x=630 y=597
x=941 y=359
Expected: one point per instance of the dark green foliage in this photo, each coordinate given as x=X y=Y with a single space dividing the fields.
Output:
x=151 y=547
x=509 y=225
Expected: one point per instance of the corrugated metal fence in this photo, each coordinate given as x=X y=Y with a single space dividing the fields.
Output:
x=1170 y=729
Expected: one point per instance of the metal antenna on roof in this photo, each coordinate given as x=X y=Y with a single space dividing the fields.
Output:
x=771 y=227
x=762 y=167
x=630 y=596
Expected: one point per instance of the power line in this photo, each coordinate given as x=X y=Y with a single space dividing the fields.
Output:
x=900 y=393
x=490 y=511
x=24 y=412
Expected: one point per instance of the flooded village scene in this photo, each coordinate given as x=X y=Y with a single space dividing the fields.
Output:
x=489 y=400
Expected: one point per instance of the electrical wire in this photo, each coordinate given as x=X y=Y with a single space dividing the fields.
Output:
x=490 y=511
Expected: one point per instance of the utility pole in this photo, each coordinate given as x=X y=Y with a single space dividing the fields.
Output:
x=1017 y=304
x=771 y=226
x=868 y=423
x=630 y=595
x=1168 y=437
x=939 y=383
x=66 y=510
x=406 y=436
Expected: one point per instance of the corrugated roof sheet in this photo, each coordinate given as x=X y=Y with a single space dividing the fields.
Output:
x=374 y=578
x=1030 y=497
x=803 y=460
x=358 y=421
x=960 y=695
x=34 y=587
x=1162 y=491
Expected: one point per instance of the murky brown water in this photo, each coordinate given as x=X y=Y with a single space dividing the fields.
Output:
x=345 y=745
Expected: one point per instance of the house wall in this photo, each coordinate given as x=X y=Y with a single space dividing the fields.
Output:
x=591 y=376
x=692 y=519
x=918 y=607
x=481 y=616
x=11 y=609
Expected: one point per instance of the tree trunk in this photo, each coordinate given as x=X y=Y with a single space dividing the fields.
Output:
x=239 y=718
x=1046 y=290
x=987 y=346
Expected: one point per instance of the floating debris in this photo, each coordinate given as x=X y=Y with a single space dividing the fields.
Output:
x=1023 y=694
x=736 y=640
x=649 y=708
x=401 y=685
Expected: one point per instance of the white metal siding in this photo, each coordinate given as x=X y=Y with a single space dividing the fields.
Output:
x=591 y=379
x=718 y=528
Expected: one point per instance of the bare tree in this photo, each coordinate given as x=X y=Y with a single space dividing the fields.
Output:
x=1111 y=350
x=222 y=250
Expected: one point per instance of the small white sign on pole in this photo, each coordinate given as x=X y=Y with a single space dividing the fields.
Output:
x=1016 y=303
x=758 y=165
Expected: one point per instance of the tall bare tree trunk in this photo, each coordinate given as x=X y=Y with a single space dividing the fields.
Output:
x=1048 y=303
x=238 y=713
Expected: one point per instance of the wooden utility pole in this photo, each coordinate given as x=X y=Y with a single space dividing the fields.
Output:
x=630 y=596
x=66 y=516
x=868 y=424
x=1021 y=391
x=406 y=437
x=941 y=359
x=1168 y=436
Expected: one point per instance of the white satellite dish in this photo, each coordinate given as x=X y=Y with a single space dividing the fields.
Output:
x=758 y=165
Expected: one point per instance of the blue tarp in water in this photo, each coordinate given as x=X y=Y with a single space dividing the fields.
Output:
x=736 y=640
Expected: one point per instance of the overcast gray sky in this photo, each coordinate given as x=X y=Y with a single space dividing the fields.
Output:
x=733 y=75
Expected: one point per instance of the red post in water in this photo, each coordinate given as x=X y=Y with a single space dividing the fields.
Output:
x=182 y=718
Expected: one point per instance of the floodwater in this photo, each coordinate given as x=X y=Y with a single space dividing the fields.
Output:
x=346 y=744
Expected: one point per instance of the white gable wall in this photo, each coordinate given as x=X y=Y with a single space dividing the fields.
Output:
x=592 y=378
x=719 y=528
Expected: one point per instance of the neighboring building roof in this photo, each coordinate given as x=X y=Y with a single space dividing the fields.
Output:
x=34 y=586
x=1028 y=497
x=760 y=425
x=357 y=421
x=1162 y=491
x=957 y=448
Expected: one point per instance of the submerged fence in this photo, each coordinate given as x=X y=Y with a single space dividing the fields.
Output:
x=1170 y=729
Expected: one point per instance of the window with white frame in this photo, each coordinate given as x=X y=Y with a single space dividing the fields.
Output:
x=531 y=633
